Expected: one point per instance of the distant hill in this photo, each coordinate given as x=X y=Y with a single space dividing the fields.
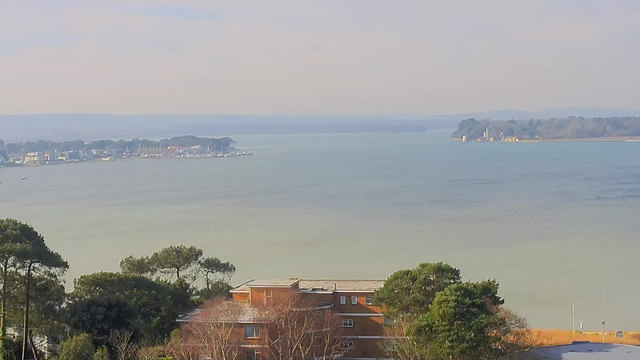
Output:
x=548 y=129
x=63 y=127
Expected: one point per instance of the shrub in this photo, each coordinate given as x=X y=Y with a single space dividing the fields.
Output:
x=76 y=348
x=102 y=353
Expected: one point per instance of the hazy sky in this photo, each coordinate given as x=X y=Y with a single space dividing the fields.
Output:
x=343 y=56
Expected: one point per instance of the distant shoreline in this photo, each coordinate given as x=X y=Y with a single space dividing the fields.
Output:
x=590 y=139
x=626 y=128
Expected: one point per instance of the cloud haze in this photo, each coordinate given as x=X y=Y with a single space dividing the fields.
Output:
x=357 y=56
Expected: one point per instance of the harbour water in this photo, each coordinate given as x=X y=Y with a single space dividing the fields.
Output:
x=554 y=223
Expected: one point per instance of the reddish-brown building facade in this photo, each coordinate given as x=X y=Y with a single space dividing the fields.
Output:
x=351 y=302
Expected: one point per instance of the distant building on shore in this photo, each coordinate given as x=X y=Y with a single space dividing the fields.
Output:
x=34 y=158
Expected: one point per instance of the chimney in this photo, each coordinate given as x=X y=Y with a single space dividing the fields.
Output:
x=335 y=286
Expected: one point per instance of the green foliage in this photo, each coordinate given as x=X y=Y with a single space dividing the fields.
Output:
x=215 y=290
x=137 y=266
x=437 y=316
x=176 y=259
x=411 y=291
x=102 y=353
x=22 y=244
x=14 y=245
x=99 y=316
x=11 y=349
x=24 y=252
x=102 y=304
x=156 y=304
x=121 y=145
x=17 y=242
x=47 y=315
x=457 y=323
x=213 y=265
x=214 y=270
x=564 y=128
x=151 y=353
x=78 y=347
x=184 y=264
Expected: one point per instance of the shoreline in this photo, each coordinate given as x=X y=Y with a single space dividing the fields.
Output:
x=116 y=159
x=589 y=139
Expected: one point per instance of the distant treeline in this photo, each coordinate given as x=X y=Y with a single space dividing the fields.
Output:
x=565 y=128
x=180 y=141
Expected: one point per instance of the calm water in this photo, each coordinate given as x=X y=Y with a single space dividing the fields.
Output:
x=554 y=223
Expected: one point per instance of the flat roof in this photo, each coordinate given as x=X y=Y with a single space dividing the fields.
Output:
x=315 y=285
x=342 y=285
x=586 y=351
x=273 y=283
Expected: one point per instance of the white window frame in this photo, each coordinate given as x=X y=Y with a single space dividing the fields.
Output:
x=368 y=300
x=268 y=297
x=347 y=345
x=256 y=328
x=354 y=300
x=347 y=323
x=343 y=300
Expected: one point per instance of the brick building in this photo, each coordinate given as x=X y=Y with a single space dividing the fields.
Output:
x=350 y=303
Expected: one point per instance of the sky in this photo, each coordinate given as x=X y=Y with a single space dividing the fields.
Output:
x=329 y=56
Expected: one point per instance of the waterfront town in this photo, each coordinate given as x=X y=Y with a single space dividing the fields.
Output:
x=48 y=153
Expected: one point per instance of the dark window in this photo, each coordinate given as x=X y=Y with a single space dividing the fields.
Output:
x=251 y=331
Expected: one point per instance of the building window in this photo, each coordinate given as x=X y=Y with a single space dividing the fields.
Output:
x=268 y=297
x=354 y=300
x=251 y=331
x=368 y=300
x=347 y=322
x=343 y=300
x=251 y=355
x=346 y=345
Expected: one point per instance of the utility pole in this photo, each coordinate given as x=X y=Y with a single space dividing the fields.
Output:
x=603 y=322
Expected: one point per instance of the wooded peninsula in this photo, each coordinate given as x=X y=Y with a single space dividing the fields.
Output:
x=558 y=128
x=122 y=145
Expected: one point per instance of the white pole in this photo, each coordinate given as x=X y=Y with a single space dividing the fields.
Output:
x=603 y=316
x=573 y=319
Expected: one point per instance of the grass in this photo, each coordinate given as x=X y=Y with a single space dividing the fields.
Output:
x=540 y=338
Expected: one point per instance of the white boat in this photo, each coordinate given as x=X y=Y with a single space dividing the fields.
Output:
x=23 y=178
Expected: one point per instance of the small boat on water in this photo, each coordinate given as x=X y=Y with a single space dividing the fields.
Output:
x=23 y=178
